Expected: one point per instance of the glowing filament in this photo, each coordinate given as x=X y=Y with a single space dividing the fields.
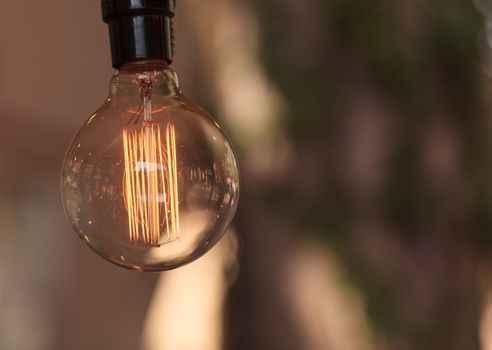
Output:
x=151 y=184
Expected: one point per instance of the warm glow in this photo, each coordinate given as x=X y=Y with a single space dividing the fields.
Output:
x=151 y=184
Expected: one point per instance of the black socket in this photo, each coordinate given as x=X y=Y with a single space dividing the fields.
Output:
x=139 y=29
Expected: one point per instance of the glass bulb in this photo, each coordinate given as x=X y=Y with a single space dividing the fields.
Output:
x=150 y=181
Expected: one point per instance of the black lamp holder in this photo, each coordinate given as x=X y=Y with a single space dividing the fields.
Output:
x=139 y=29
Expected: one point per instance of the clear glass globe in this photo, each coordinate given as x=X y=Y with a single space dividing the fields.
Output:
x=150 y=181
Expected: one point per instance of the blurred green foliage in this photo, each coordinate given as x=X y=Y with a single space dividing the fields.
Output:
x=426 y=63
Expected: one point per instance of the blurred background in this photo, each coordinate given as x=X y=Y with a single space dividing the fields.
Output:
x=363 y=130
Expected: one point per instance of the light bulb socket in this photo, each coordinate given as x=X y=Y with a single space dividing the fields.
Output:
x=139 y=30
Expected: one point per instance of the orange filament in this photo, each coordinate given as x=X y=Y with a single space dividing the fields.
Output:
x=151 y=184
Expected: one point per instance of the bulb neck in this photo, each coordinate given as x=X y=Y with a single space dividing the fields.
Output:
x=137 y=79
x=139 y=30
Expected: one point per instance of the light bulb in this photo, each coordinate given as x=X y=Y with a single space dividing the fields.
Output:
x=150 y=182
